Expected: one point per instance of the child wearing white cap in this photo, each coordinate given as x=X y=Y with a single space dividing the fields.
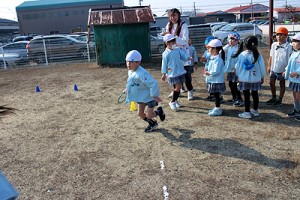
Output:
x=214 y=72
x=173 y=69
x=292 y=73
x=142 y=88
x=231 y=59
x=250 y=70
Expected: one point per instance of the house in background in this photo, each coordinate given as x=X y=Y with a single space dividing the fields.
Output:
x=245 y=13
x=58 y=16
x=282 y=14
x=210 y=17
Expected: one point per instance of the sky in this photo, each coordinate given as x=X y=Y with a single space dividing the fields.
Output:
x=8 y=7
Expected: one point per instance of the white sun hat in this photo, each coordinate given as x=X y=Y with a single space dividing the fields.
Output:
x=168 y=37
x=133 y=56
x=215 y=43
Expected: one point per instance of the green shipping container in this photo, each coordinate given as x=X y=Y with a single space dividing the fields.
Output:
x=118 y=31
x=113 y=42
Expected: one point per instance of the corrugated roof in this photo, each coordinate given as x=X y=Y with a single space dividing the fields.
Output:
x=127 y=15
x=283 y=10
x=257 y=8
x=45 y=4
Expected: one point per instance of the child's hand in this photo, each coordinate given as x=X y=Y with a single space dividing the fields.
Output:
x=294 y=74
x=163 y=77
x=269 y=69
x=283 y=74
x=157 y=99
x=195 y=67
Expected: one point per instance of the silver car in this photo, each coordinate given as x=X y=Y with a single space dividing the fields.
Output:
x=14 y=53
x=244 y=29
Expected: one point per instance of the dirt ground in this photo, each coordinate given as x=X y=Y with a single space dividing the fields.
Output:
x=66 y=144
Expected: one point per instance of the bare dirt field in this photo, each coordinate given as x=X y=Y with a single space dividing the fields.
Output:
x=66 y=144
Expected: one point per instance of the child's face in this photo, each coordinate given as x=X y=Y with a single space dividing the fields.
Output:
x=281 y=38
x=296 y=44
x=212 y=51
x=170 y=43
x=174 y=18
x=232 y=42
x=132 y=65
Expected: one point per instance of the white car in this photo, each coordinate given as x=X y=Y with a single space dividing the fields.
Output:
x=9 y=60
x=244 y=29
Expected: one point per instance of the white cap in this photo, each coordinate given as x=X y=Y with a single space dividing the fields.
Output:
x=168 y=37
x=297 y=37
x=215 y=43
x=133 y=56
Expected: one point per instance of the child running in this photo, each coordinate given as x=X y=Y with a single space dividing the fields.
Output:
x=172 y=68
x=214 y=73
x=233 y=41
x=142 y=88
x=292 y=74
x=250 y=70
x=279 y=56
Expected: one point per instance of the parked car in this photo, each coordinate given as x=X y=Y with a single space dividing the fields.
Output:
x=57 y=47
x=22 y=38
x=244 y=29
x=9 y=60
x=18 y=48
x=157 y=45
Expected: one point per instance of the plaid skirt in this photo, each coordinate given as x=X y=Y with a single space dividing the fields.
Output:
x=232 y=77
x=249 y=86
x=294 y=86
x=215 y=87
x=178 y=79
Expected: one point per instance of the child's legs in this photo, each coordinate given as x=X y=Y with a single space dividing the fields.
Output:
x=141 y=110
x=176 y=91
x=272 y=85
x=188 y=81
x=247 y=100
x=255 y=99
x=282 y=88
x=232 y=89
x=296 y=101
x=217 y=99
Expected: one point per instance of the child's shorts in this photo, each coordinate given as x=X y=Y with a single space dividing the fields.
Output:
x=178 y=79
x=277 y=76
x=189 y=69
x=294 y=86
x=150 y=104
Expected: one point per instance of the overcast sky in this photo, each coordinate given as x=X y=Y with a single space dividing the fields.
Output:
x=8 y=7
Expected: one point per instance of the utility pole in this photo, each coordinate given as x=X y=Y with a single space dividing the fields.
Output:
x=140 y=2
x=251 y=10
x=194 y=9
x=271 y=7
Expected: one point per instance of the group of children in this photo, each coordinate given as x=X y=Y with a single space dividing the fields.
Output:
x=241 y=61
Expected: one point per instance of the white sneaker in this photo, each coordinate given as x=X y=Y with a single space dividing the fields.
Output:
x=190 y=95
x=255 y=113
x=245 y=115
x=170 y=95
x=215 y=112
x=177 y=104
x=173 y=106
x=183 y=91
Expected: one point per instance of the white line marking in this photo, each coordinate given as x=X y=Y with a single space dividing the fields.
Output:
x=166 y=194
x=162 y=166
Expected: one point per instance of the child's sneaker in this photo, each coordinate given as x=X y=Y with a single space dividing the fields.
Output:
x=177 y=104
x=232 y=100
x=215 y=112
x=173 y=106
x=271 y=101
x=151 y=127
x=209 y=98
x=297 y=118
x=245 y=115
x=190 y=95
x=293 y=114
x=161 y=113
x=222 y=99
x=238 y=103
x=183 y=90
x=255 y=113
